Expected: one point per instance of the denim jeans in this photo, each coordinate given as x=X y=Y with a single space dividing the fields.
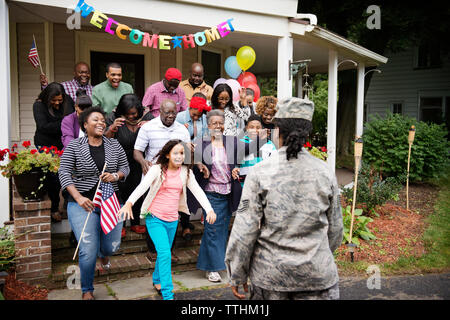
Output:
x=211 y=256
x=95 y=242
x=162 y=234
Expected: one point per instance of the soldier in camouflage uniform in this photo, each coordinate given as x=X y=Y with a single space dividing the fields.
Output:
x=289 y=220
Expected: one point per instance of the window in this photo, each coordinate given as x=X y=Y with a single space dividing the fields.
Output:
x=429 y=55
x=397 y=108
x=431 y=109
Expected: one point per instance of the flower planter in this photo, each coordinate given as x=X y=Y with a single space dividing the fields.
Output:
x=30 y=186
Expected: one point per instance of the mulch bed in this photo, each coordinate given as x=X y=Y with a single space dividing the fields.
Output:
x=17 y=290
x=399 y=231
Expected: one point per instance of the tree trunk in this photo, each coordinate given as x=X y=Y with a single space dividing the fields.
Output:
x=346 y=110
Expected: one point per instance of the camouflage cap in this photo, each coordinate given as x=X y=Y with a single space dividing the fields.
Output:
x=294 y=107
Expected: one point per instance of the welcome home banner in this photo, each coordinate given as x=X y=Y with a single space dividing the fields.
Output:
x=157 y=41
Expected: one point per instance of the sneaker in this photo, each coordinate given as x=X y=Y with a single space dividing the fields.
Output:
x=202 y=221
x=213 y=276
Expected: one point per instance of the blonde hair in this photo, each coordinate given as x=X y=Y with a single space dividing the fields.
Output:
x=266 y=102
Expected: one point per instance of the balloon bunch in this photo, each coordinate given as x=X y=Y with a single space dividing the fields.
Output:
x=236 y=67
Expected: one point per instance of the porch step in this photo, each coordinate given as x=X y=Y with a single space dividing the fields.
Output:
x=129 y=262
x=124 y=266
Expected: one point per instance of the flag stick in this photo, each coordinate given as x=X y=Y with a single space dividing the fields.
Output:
x=412 y=132
x=358 y=155
x=40 y=64
x=87 y=218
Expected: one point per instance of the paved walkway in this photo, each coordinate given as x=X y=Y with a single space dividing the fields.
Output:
x=193 y=285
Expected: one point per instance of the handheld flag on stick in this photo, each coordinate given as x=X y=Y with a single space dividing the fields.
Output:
x=107 y=201
x=87 y=218
x=412 y=132
x=33 y=56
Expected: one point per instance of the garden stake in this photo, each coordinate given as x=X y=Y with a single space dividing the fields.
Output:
x=358 y=155
x=412 y=132
x=87 y=218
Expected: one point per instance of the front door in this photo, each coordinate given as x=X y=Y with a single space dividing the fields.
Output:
x=132 y=69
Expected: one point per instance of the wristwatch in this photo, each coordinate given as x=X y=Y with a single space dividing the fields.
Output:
x=116 y=176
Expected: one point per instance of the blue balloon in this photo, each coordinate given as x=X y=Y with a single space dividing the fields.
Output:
x=232 y=68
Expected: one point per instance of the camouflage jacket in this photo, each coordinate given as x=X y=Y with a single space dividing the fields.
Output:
x=288 y=224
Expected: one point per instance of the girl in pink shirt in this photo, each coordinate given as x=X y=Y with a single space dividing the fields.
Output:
x=166 y=181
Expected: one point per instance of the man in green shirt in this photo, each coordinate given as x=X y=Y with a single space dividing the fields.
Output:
x=107 y=94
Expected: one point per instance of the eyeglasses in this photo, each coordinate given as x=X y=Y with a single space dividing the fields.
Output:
x=174 y=113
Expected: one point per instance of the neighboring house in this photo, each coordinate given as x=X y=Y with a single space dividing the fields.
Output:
x=272 y=28
x=415 y=82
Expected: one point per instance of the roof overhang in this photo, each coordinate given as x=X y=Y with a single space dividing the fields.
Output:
x=325 y=38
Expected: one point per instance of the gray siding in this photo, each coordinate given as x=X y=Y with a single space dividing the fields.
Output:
x=400 y=82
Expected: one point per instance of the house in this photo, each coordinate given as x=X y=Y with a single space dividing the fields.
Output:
x=415 y=83
x=273 y=29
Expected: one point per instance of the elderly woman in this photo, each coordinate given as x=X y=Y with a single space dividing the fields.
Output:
x=124 y=125
x=48 y=111
x=217 y=172
x=80 y=171
x=288 y=224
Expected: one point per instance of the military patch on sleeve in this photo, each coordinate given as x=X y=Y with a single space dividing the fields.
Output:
x=243 y=206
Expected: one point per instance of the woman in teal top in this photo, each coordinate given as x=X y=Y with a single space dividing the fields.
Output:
x=253 y=130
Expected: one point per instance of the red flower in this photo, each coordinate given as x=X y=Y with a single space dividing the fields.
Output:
x=14 y=146
x=13 y=156
x=26 y=144
x=324 y=149
x=53 y=148
x=307 y=145
x=33 y=151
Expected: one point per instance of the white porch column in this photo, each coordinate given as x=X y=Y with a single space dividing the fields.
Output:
x=360 y=99
x=5 y=105
x=285 y=52
x=332 y=108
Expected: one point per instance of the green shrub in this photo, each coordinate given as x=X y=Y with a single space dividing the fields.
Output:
x=386 y=147
x=320 y=99
x=7 y=249
x=373 y=190
x=360 y=229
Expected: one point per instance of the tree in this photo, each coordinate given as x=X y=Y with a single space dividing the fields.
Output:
x=402 y=25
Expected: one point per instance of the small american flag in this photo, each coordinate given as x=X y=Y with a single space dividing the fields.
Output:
x=107 y=201
x=33 y=55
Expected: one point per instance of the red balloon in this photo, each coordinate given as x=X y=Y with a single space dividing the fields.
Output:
x=246 y=78
x=255 y=89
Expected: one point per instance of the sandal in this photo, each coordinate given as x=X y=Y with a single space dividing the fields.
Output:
x=56 y=216
x=107 y=265
x=187 y=235
x=157 y=290
x=87 y=296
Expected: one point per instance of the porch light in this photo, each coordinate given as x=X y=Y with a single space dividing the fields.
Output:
x=377 y=70
x=296 y=66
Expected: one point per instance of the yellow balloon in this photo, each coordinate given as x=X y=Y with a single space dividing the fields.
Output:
x=245 y=57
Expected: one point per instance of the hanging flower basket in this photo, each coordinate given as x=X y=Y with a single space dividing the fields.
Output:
x=29 y=169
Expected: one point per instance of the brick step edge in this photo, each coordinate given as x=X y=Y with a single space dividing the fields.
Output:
x=61 y=240
x=66 y=254
x=131 y=264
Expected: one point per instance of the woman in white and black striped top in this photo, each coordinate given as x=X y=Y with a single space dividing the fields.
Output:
x=79 y=173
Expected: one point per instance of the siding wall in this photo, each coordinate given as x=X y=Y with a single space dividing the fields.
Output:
x=399 y=82
x=29 y=87
x=63 y=52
